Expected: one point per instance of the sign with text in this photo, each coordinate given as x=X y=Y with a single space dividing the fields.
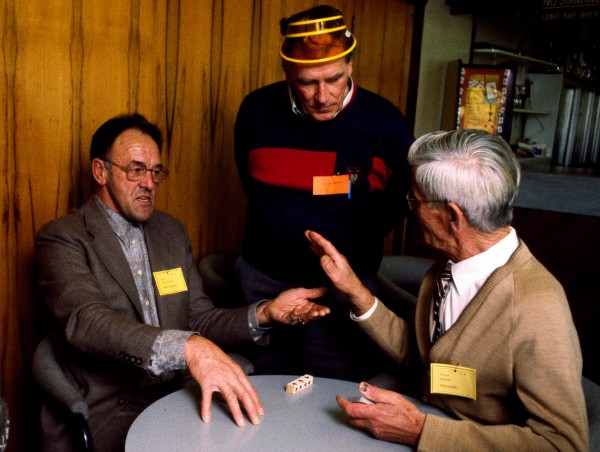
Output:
x=560 y=11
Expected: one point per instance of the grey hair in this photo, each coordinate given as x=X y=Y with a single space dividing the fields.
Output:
x=471 y=168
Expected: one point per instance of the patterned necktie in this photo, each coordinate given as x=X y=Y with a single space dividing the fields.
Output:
x=442 y=285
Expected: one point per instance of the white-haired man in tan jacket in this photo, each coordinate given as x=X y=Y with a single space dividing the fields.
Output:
x=507 y=365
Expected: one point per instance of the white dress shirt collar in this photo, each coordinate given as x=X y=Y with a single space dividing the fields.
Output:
x=469 y=275
x=475 y=270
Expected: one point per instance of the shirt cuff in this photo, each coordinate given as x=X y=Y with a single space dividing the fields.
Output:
x=167 y=352
x=257 y=332
x=367 y=314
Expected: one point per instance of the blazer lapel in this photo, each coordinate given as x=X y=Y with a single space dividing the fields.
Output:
x=517 y=259
x=109 y=250
x=498 y=276
x=162 y=257
x=423 y=311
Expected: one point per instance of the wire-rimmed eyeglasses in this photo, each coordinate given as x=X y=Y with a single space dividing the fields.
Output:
x=137 y=171
x=413 y=202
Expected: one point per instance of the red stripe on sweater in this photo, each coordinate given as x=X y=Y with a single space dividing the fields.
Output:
x=379 y=174
x=293 y=168
x=290 y=168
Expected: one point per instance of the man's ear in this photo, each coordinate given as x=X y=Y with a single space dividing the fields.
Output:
x=99 y=171
x=457 y=216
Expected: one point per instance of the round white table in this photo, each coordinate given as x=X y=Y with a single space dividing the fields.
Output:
x=309 y=420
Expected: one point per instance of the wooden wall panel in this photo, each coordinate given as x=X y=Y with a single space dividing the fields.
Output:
x=188 y=124
x=68 y=65
x=229 y=84
x=8 y=317
x=38 y=115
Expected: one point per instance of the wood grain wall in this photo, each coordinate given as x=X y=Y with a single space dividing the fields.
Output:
x=68 y=65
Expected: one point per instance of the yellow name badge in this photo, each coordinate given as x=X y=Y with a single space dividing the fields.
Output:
x=331 y=185
x=170 y=281
x=453 y=380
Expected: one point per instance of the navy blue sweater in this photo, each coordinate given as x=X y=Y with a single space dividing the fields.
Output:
x=278 y=153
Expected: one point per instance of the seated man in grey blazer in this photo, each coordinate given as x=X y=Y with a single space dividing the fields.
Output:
x=129 y=315
x=495 y=336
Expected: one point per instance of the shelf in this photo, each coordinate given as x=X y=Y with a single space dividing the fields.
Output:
x=530 y=112
x=495 y=52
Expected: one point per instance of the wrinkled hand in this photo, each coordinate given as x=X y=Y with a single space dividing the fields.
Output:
x=292 y=307
x=217 y=372
x=390 y=418
x=337 y=268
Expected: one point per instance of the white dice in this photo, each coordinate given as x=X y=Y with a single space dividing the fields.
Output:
x=299 y=384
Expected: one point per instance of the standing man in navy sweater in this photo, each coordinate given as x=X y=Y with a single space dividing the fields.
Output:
x=318 y=152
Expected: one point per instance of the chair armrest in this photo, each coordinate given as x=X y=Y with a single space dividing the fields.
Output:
x=83 y=429
x=50 y=377
x=591 y=391
x=4 y=425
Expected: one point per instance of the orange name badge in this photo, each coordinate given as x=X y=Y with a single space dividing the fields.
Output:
x=331 y=185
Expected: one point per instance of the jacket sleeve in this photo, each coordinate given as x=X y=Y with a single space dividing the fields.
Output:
x=94 y=317
x=390 y=332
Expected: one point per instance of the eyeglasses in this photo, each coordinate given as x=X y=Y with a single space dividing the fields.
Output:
x=413 y=202
x=137 y=171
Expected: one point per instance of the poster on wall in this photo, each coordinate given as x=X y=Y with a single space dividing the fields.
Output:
x=485 y=98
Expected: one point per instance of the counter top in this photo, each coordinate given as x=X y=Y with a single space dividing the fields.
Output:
x=559 y=189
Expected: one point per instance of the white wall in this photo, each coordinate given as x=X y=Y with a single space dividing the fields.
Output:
x=445 y=38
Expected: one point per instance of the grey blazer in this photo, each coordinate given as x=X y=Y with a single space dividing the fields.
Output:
x=97 y=315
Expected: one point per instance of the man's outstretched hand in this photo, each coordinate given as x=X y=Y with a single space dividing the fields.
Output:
x=292 y=307
x=216 y=372
x=340 y=273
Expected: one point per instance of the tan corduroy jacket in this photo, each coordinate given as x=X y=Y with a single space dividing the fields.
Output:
x=518 y=335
